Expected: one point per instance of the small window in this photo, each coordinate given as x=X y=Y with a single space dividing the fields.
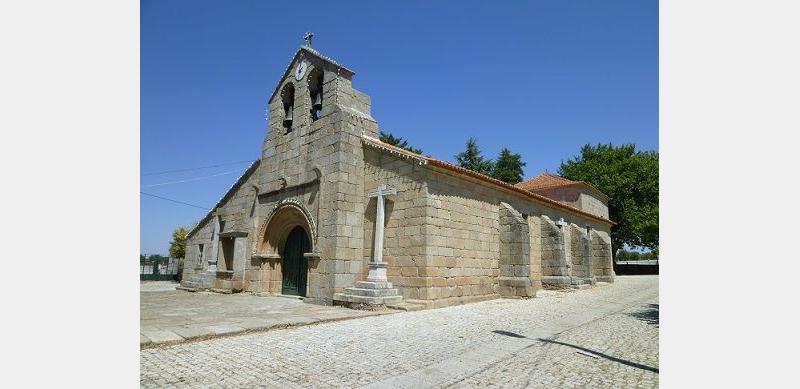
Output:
x=200 y=256
x=287 y=96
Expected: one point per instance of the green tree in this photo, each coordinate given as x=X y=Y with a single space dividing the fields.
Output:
x=177 y=248
x=508 y=167
x=386 y=137
x=472 y=159
x=630 y=178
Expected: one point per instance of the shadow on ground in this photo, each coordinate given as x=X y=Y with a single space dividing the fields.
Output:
x=648 y=315
x=586 y=350
x=606 y=356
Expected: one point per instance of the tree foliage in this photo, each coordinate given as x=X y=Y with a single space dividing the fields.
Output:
x=630 y=178
x=624 y=255
x=177 y=248
x=508 y=167
x=387 y=137
x=472 y=159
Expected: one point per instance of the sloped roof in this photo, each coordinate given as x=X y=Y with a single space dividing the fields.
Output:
x=425 y=160
x=545 y=180
x=226 y=196
x=550 y=181
x=307 y=49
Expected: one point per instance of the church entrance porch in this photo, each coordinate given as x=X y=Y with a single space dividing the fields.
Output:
x=295 y=265
x=284 y=261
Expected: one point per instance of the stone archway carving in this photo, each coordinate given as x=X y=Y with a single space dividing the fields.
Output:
x=276 y=227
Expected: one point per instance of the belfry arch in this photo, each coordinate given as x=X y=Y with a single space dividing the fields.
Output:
x=275 y=229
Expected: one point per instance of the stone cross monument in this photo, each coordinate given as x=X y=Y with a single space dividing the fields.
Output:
x=377 y=268
x=376 y=290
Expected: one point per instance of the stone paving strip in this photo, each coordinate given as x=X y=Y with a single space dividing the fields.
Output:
x=174 y=316
x=157 y=286
x=436 y=348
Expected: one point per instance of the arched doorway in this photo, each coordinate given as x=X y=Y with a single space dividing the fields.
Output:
x=294 y=266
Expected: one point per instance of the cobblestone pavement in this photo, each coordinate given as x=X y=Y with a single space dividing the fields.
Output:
x=523 y=343
x=624 y=346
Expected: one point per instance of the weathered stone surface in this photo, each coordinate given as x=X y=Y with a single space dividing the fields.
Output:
x=449 y=238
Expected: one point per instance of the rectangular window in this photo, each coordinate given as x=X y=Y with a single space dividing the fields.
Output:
x=200 y=256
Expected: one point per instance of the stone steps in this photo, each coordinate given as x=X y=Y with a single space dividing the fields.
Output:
x=369 y=300
x=373 y=285
x=405 y=306
x=187 y=288
x=372 y=292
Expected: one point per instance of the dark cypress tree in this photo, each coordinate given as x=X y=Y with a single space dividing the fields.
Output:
x=472 y=159
x=508 y=167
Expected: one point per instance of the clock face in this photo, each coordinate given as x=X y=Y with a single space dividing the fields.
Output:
x=300 y=71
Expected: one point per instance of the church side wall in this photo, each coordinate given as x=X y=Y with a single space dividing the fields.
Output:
x=462 y=262
x=567 y=195
x=235 y=224
x=194 y=264
x=593 y=205
x=577 y=197
x=464 y=238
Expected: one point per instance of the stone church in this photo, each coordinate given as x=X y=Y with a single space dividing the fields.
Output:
x=331 y=213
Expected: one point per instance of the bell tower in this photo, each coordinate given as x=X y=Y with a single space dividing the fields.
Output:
x=313 y=155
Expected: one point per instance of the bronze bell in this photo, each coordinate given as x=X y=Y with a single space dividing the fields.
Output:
x=287 y=120
x=316 y=103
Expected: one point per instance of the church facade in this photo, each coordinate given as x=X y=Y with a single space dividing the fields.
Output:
x=331 y=213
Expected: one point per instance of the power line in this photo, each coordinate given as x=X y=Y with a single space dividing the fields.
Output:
x=174 y=201
x=190 y=179
x=194 y=168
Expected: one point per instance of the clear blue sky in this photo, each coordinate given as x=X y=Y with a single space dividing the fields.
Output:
x=542 y=78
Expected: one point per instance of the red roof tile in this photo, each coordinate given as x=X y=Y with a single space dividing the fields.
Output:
x=545 y=180
x=549 y=181
x=465 y=172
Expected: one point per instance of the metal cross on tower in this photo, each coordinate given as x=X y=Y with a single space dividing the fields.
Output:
x=308 y=36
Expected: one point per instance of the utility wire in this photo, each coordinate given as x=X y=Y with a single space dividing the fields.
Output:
x=194 y=168
x=174 y=201
x=190 y=179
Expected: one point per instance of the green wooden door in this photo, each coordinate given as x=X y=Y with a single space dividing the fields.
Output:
x=295 y=266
